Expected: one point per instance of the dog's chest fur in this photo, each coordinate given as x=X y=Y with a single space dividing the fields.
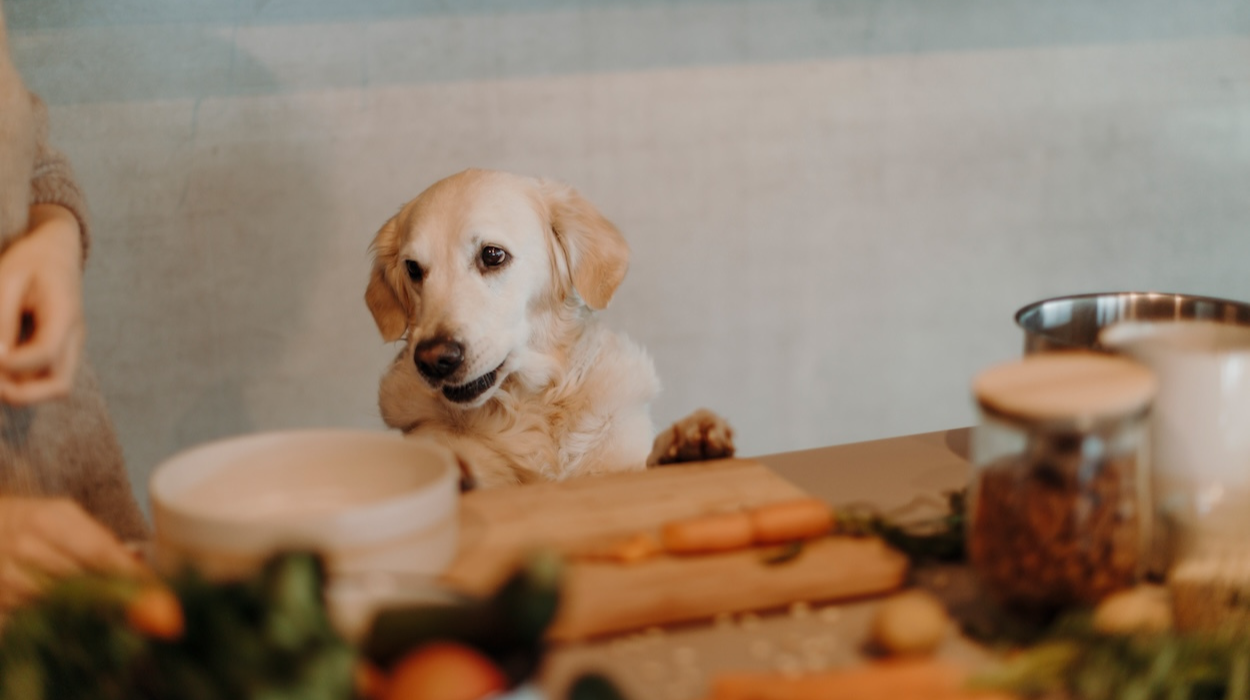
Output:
x=575 y=412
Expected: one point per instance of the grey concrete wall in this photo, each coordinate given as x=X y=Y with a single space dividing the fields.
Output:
x=835 y=207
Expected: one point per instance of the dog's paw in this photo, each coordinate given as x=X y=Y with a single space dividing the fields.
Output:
x=698 y=437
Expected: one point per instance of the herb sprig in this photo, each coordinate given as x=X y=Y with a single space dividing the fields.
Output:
x=939 y=538
x=1073 y=660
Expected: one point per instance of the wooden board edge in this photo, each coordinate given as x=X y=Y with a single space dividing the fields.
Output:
x=587 y=610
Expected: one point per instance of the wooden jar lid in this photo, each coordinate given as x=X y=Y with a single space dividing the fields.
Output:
x=1077 y=386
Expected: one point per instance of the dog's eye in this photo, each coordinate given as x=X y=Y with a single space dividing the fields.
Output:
x=494 y=256
x=414 y=270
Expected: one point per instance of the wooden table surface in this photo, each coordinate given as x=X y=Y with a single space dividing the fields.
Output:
x=677 y=663
x=888 y=473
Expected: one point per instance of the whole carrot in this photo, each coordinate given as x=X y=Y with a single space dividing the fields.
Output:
x=787 y=521
x=707 y=533
x=155 y=612
x=910 y=679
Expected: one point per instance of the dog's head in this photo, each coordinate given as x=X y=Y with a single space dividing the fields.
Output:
x=472 y=271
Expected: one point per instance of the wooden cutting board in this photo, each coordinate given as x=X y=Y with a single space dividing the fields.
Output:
x=499 y=526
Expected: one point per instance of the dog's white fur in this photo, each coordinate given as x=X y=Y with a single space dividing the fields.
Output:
x=570 y=397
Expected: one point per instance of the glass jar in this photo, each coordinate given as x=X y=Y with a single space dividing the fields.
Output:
x=1059 y=504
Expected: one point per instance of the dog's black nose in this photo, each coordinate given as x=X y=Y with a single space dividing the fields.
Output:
x=437 y=358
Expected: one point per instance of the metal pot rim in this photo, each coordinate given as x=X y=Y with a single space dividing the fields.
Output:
x=1032 y=306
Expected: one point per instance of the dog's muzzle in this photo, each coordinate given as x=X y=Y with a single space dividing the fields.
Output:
x=438 y=358
x=464 y=393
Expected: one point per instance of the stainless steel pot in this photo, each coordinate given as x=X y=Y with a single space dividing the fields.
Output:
x=1073 y=322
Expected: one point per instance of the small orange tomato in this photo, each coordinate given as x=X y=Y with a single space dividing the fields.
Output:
x=444 y=671
x=155 y=612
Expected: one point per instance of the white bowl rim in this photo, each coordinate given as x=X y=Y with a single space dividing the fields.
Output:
x=384 y=519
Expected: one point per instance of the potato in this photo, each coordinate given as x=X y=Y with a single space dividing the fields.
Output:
x=913 y=623
x=1143 y=608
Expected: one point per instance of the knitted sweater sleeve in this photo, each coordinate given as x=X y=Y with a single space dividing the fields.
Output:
x=52 y=181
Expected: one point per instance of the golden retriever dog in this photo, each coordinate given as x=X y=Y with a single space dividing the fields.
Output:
x=492 y=280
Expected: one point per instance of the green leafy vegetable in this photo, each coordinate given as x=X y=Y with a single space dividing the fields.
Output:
x=1074 y=660
x=592 y=686
x=508 y=626
x=266 y=637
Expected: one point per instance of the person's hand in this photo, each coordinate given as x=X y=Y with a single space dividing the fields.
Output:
x=42 y=539
x=41 y=286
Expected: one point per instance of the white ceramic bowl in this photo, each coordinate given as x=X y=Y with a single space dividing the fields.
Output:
x=369 y=501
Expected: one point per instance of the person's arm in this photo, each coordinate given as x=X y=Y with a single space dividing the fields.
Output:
x=41 y=323
x=42 y=539
x=53 y=181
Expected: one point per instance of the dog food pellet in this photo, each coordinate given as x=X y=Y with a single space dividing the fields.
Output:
x=794 y=642
x=814 y=661
x=689 y=675
x=685 y=656
x=652 y=671
x=830 y=614
x=822 y=643
x=761 y=649
x=788 y=665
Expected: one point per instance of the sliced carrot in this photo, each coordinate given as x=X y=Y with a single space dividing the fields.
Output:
x=628 y=549
x=798 y=519
x=708 y=533
x=775 y=523
x=636 y=548
x=155 y=612
x=910 y=679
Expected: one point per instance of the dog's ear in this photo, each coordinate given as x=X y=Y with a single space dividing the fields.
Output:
x=389 y=307
x=597 y=252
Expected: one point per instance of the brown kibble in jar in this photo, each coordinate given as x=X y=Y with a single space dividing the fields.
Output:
x=1059 y=509
x=1056 y=526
